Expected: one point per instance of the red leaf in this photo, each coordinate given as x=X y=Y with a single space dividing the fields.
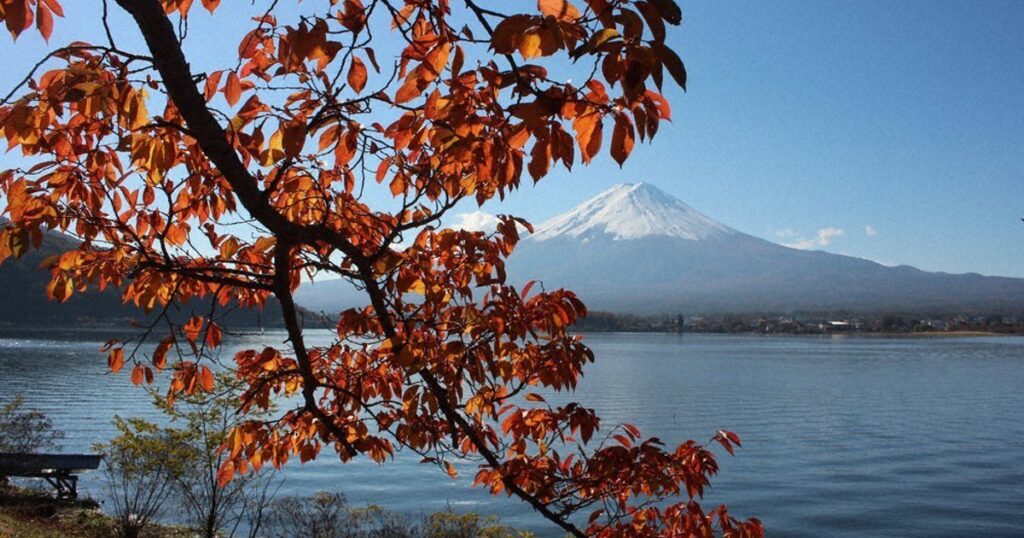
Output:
x=17 y=16
x=731 y=437
x=527 y=288
x=622 y=139
x=44 y=21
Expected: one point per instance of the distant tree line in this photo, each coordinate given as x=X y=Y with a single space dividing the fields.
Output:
x=801 y=323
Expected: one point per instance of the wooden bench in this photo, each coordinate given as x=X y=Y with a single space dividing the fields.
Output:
x=57 y=469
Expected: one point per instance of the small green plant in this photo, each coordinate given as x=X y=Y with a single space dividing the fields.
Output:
x=26 y=430
x=328 y=515
x=140 y=467
x=202 y=423
x=180 y=462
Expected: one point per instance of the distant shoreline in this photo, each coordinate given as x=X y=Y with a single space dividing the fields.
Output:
x=949 y=334
x=36 y=330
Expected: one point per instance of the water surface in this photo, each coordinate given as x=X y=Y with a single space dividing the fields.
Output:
x=844 y=437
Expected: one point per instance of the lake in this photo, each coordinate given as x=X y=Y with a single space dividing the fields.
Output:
x=842 y=436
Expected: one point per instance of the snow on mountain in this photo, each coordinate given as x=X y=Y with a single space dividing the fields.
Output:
x=635 y=248
x=631 y=211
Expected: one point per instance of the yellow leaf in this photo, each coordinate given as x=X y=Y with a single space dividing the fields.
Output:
x=529 y=45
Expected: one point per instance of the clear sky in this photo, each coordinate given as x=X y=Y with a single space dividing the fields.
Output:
x=892 y=131
x=802 y=118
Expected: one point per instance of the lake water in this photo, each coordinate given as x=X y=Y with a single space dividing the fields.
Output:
x=841 y=436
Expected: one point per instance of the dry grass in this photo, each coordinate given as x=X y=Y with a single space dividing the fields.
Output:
x=26 y=513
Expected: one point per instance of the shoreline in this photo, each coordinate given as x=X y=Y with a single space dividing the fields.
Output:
x=948 y=334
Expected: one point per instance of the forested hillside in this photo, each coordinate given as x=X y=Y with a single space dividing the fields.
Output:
x=23 y=296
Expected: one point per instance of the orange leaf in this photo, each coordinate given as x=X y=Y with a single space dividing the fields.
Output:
x=60 y=288
x=137 y=374
x=193 y=328
x=213 y=335
x=409 y=90
x=398 y=185
x=206 y=378
x=55 y=7
x=211 y=5
x=44 y=21
x=160 y=354
x=588 y=134
x=116 y=359
x=357 y=75
x=225 y=473
x=559 y=9
x=508 y=32
x=212 y=83
x=232 y=88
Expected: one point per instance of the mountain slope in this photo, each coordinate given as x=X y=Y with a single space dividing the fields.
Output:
x=23 y=297
x=637 y=249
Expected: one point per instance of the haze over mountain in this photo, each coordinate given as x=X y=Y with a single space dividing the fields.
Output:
x=635 y=248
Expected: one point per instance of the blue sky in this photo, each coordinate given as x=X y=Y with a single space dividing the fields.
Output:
x=888 y=130
x=808 y=117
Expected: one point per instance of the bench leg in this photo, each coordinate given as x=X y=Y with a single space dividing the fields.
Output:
x=66 y=485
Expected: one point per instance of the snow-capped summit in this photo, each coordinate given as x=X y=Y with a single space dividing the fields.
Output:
x=632 y=211
x=634 y=248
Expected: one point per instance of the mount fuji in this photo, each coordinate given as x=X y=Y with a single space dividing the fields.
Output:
x=637 y=249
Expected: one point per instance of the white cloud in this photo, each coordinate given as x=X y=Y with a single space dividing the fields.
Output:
x=824 y=237
x=788 y=232
x=477 y=221
x=870 y=231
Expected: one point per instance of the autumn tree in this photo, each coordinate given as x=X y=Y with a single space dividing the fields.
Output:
x=225 y=186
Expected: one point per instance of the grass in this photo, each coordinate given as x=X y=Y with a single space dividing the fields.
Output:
x=28 y=513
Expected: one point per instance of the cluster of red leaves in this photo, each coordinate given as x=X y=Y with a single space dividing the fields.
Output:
x=19 y=15
x=448 y=359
